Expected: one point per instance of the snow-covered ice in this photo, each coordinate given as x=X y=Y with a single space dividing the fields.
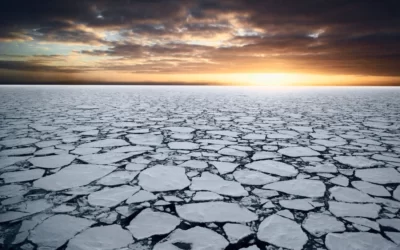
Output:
x=307 y=188
x=149 y=223
x=163 y=178
x=101 y=238
x=171 y=168
x=57 y=230
x=110 y=197
x=282 y=232
x=74 y=175
x=215 y=212
x=273 y=167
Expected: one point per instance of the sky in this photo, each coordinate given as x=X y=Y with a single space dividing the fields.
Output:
x=261 y=42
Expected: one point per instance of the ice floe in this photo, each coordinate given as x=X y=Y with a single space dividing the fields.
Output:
x=163 y=178
x=273 y=167
x=357 y=241
x=307 y=188
x=72 y=176
x=282 y=232
x=214 y=183
x=148 y=223
x=319 y=224
x=193 y=238
x=298 y=152
x=110 y=197
x=215 y=212
x=57 y=230
x=101 y=238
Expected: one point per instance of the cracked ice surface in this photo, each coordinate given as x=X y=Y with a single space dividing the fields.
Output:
x=166 y=168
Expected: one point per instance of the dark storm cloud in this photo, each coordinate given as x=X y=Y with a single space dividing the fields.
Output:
x=34 y=67
x=350 y=36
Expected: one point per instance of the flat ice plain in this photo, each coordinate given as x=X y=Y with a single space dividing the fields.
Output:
x=199 y=168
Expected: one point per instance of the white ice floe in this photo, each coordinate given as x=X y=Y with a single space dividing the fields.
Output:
x=273 y=167
x=12 y=190
x=128 y=149
x=232 y=152
x=18 y=151
x=107 y=158
x=224 y=167
x=253 y=137
x=321 y=168
x=18 y=142
x=307 y=188
x=183 y=145
x=357 y=161
x=182 y=136
x=194 y=164
x=193 y=238
x=369 y=188
x=12 y=215
x=380 y=157
x=282 y=232
x=101 y=238
x=298 y=152
x=264 y=155
x=357 y=241
x=57 y=230
x=340 y=180
x=141 y=196
x=300 y=204
x=330 y=143
x=379 y=175
x=10 y=160
x=319 y=224
x=72 y=176
x=21 y=176
x=85 y=151
x=135 y=166
x=148 y=223
x=249 y=177
x=223 y=132
x=50 y=151
x=387 y=202
x=265 y=193
x=45 y=144
x=110 y=197
x=118 y=178
x=53 y=161
x=285 y=213
x=236 y=232
x=145 y=139
x=180 y=129
x=163 y=178
x=217 y=142
x=206 y=196
x=217 y=211
x=242 y=148
x=216 y=184
x=105 y=143
x=349 y=195
x=342 y=209
x=363 y=222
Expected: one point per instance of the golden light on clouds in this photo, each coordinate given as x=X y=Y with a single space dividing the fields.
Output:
x=225 y=42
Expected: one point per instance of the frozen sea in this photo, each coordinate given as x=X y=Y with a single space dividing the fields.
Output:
x=199 y=168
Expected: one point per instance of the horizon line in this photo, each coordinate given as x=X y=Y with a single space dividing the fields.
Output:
x=151 y=83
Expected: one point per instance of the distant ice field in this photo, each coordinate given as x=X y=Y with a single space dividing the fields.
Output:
x=166 y=167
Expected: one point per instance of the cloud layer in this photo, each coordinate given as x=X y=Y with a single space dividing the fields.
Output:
x=202 y=36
